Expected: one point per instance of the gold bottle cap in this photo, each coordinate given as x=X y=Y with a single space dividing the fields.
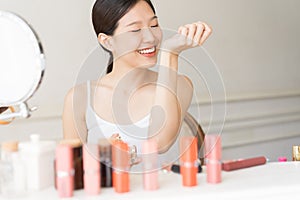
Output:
x=10 y=146
x=296 y=153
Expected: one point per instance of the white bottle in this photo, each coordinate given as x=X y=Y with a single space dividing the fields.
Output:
x=38 y=157
x=13 y=175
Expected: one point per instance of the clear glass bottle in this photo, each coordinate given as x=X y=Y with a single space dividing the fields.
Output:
x=13 y=176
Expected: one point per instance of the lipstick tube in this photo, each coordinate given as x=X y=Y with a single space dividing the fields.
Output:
x=91 y=167
x=213 y=156
x=243 y=163
x=121 y=165
x=64 y=171
x=76 y=146
x=105 y=149
x=188 y=160
x=150 y=165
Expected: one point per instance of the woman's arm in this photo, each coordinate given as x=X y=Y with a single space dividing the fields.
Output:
x=73 y=117
x=173 y=92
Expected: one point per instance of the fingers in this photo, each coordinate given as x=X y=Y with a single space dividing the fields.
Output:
x=114 y=137
x=207 y=32
x=196 y=34
x=192 y=28
x=199 y=33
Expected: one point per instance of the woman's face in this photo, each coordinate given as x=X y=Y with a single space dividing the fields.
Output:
x=137 y=39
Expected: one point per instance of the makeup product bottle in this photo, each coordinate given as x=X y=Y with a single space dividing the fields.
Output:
x=64 y=171
x=188 y=160
x=76 y=146
x=296 y=153
x=13 y=174
x=213 y=158
x=38 y=157
x=150 y=165
x=91 y=168
x=105 y=162
x=121 y=166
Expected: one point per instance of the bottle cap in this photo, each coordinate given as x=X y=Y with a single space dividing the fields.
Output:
x=188 y=149
x=213 y=147
x=91 y=157
x=34 y=138
x=11 y=146
x=64 y=158
x=120 y=156
x=35 y=145
x=296 y=153
x=282 y=159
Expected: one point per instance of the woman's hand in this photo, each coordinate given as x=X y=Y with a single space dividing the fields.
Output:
x=188 y=36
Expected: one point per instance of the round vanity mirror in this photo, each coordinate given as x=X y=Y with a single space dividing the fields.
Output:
x=22 y=62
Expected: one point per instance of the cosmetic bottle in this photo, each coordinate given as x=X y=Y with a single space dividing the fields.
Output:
x=38 y=157
x=12 y=169
x=213 y=155
x=76 y=146
x=150 y=165
x=296 y=153
x=91 y=168
x=121 y=166
x=64 y=171
x=188 y=160
x=105 y=149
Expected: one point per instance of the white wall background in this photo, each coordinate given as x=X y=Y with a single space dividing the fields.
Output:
x=255 y=45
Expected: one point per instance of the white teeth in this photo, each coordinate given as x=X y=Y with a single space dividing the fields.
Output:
x=146 y=51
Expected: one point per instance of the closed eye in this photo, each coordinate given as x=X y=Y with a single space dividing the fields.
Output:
x=135 y=31
x=154 y=26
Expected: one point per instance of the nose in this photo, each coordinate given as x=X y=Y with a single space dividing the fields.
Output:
x=148 y=36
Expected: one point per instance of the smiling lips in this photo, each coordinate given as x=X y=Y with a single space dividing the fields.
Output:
x=149 y=52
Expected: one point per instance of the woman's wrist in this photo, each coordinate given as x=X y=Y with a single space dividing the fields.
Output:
x=169 y=59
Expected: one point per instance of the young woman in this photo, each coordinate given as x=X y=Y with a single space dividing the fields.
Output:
x=131 y=100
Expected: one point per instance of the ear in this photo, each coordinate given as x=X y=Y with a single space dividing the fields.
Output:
x=105 y=41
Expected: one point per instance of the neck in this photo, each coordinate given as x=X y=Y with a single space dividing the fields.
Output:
x=129 y=76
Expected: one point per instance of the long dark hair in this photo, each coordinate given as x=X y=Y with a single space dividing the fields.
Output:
x=106 y=15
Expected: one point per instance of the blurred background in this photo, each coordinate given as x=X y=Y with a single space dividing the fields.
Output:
x=255 y=46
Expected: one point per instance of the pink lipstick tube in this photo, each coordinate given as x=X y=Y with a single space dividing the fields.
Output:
x=150 y=165
x=64 y=171
x=121 y=166
x=188 y=160
x=213 y=156
x=91 y=167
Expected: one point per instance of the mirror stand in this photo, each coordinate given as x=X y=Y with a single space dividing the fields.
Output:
x=23 y=112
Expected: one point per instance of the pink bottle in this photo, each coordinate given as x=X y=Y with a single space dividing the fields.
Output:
x=150 y=165
x=91 y=167
x=64 y=171
x=188 y=160
x=213 y=155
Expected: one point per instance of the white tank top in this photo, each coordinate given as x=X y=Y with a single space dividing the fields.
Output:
x=134 y=134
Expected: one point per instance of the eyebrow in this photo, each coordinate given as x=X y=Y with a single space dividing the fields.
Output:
x=139 y=22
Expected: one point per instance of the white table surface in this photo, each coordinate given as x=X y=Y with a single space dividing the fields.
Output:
x=269 y=181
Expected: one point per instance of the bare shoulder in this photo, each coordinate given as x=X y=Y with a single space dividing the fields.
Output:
x=76 y=100
x=76 y=91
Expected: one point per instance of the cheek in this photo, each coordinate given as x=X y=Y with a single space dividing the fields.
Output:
x=158 y=35
x=126 y=43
